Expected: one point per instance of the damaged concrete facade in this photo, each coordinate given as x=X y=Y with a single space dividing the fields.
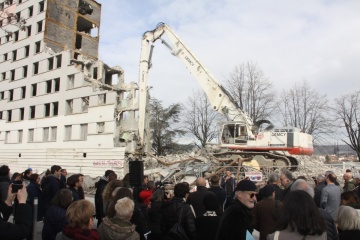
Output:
x=59 y=104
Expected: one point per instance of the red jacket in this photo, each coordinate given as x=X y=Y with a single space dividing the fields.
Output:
x=145 y=196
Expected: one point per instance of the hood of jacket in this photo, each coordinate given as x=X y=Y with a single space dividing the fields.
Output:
x=116 y=228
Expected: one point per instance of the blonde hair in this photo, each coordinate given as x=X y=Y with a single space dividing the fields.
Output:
x=348 y=218
x=109 y=188
x=124 y=208
x=79 y=213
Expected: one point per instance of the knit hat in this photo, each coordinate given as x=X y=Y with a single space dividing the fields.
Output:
x=211 y=202
x=268 y=190
x=246 y=185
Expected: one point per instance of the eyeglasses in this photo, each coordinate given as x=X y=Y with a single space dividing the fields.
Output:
x=252 y=194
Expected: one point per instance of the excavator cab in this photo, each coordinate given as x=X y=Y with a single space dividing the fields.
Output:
x=234 y=133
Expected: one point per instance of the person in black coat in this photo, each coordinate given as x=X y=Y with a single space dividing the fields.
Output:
x=55 y=217
x=34 y=191
x=218 y=191
x=172 y=209
x=51 y=185
x=156 y=202
x=100 y=186
x=74 y=184
x=208 y=224
x=22 y=215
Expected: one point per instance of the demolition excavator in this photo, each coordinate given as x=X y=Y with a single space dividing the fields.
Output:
x=239 y=135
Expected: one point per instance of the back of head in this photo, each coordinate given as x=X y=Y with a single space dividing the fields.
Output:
x=181 y=189
x=79 y=214
x=348 y=218
x=108 y=172
x=4 y=171
x=73 y=179
x=214 y=180
x=287 y=174
x=350 y=197
x=55 y=168
x=211 y=202
x=301 y=214
x=274 y=178
x=124 y=208
x=332 y=177
x=301 y=184
x=109 y=188
x=112 y=176
x=150 y=185
x=63 y=198
x=33 y=177
x=122 y=192
x=320 y=178
x=200 y=182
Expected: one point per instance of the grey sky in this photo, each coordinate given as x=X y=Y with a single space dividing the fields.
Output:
x=291 y=41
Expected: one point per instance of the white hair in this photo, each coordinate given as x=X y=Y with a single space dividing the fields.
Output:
x=124 y=208
x=301 y=184
x=348 y=218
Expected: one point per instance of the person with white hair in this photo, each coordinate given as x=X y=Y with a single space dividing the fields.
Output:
x=119 y=227
x=348 y=223
x=349 y=183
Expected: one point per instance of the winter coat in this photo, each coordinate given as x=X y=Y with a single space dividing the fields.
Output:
x=294 y=235
x=171 y=213
x=331 y=230
x=70 y=233
x=4 y=186
x=317 y=191
x=34 y=191
x=75 y=194
x=23 y=222
x=236 y=220
x=155 y=215
x=116 y=228
x=349 y=234
x=266 y=216
x=220 y=193
x=278 y=193
x=100 y=186
x=51 y=186
x=145 y=196
x=196 y=200
x=349 y=185
x=207 y=226
x=54 y=222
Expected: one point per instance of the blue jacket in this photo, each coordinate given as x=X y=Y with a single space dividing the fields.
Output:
x=34 y=191
x=54 y=222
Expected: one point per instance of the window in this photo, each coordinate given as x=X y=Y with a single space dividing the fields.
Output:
x=2 y=95
x=9 y=115
x=20 y=136
x=53 y=133
x=69 y=106
x=25 y=68
x=14 y=54
x=95 y=72
x=58 y=61
x=47 y=110
x=55 y=108
x=5 y=56
x=39 y=26
x=101 y=127
x=1 y=21
x=33 y=89
x=12 y=75
x=19 y=1
x=18 y=16
x=31 y=11
x=48 y=86
x=1 y=115
x=67 y=132
x=22 y=112
x=32 y=112
x=45 y=134
x=3 y=75
x=50 y=63
x=23 y=92
x=41 y=6
x=85 y=104
x=31 y=135
x=26 y=51
x=57 y=84
x=36 y=67
x=102 y=99
x=11 y=95
x=71 y=79
x=7 y=135
x=37 y=46
x=83 y=131
x=28 y=31
x=1 y=6
x=16 y=34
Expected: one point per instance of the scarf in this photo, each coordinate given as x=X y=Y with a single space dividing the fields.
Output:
x=210 y=213
x=81 y=234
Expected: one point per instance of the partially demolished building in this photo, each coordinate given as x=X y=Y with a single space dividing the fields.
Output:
x=59 y=104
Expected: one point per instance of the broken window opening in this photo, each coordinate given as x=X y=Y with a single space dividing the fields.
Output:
x=76 y=55
x=32 y=112
x=94 y=31
x=41 y=6
x=22 y=112
x=16 y=38
x=14 y=55
x=39 y=26
x=101 y=127
x=95 y=73
x=85 y=104
x=78 y=42
x=30 y=10
x=37 y=46
x=55 y=108
x=58 y=61
x=85 y=8
x=12 y=75
x=71 y=80
x=48 y=86
x=47 y=110
x=5 y=57
x=57 y=84
x=102 y=99
x=33 y=89
x=51 y=63
x=69 y=106
x=27 y=50
x=36 y=68
x=28 y=31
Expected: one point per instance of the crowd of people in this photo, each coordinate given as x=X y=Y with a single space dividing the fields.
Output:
x=220 y=207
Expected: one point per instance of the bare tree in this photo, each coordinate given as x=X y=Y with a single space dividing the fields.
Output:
x=200 y=118
x=163 y=121
x=306 y=109
x=347 y=109
x=11 y=22
x=252 y=91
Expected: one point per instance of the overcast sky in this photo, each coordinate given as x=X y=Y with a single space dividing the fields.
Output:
x=291 y=41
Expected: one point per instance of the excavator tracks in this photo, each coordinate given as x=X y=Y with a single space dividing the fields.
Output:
x=264 y=159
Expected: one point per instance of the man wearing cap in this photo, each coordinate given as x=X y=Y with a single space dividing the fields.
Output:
x=236 y=222
x=266 y=214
